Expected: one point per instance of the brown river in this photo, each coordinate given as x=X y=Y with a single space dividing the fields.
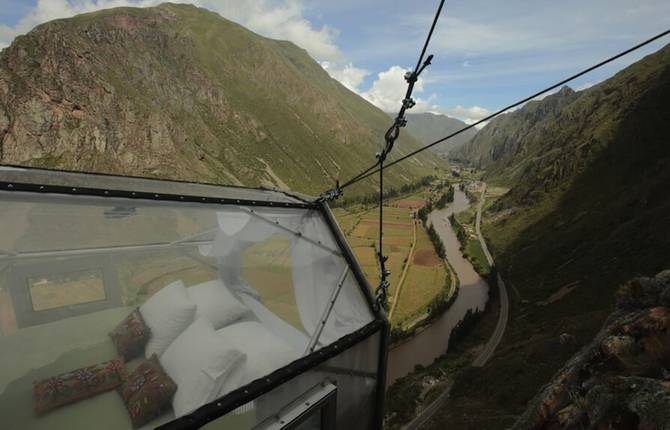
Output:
x=432 y=342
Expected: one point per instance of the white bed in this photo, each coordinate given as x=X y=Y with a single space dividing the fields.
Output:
x=39 y=352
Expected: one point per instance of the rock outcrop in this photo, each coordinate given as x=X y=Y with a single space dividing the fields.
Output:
x=621 y=380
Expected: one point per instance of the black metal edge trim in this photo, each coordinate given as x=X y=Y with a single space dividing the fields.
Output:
x=348 y=254
x=147 y=178
x=257 y=388
x=98 y=192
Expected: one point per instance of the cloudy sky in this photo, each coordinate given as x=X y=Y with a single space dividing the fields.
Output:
x=488 y=53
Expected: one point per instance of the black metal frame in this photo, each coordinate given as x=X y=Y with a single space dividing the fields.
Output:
x=253 y=390
x=147 y=178
x=99 y=192
x=327 y=407
x=257 y=388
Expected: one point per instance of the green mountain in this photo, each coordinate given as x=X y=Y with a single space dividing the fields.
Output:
x=429 y=127
x=177 y=91
x=588 y=208
x=516 y=137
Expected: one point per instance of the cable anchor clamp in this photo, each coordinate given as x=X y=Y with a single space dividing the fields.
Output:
x=408 y=103
x=332 y=194
x=411 y=77
x=381 y=295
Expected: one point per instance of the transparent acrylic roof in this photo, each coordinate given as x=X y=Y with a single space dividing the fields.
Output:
x=225 y=290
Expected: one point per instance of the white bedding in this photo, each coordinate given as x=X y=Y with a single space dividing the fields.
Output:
x=264 y=350
x=200 y=365
x=268 y=342
x=167 y=313
x=208 y=364
x=216 y=303
x=280 y=328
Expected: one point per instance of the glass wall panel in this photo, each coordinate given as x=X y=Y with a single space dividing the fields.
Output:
x=354 y=372
x=195 y=300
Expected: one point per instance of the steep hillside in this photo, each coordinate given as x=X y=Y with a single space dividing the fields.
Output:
x=429 y=127
x=544 y=146
x=619 y=380
x=512 y=137
x=177 y=91
x=588 y=209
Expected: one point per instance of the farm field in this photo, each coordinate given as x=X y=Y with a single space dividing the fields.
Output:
x=426 y=275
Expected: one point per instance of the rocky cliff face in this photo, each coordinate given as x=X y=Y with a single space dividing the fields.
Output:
x=622 y=379
x=179 y=92
x=510 y=136
x=543 y=147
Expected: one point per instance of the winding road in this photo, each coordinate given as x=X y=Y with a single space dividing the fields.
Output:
x=499 y=331
x=485 y=355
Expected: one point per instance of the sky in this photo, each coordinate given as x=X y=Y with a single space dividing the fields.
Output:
x=488 y=53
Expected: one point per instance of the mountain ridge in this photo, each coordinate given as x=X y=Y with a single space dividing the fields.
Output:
x=587 y=209
x=177 y=91
x=429 y=127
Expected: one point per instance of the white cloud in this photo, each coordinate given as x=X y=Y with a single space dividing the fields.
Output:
x=350 y=76
x=280 y=20
x=388 y=90
x=468 y=115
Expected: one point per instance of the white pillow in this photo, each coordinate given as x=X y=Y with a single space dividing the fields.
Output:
x=265 y=352
x=167 y=313
x=199 y=364
x=216 y=303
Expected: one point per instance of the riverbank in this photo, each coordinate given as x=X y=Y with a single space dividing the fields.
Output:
x=471 y=344
x=433 y=340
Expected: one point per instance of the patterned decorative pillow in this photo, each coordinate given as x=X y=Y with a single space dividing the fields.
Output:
x=131 y=336
x=77 y=385
x=147 y=392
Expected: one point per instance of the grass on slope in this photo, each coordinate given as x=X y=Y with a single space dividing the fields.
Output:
x=208 y=99
x=609 y=224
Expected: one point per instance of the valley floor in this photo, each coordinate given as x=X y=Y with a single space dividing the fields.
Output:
x=418 y=274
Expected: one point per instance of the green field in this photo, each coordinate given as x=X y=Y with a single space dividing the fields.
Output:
x=472 y=249
x=427 y=274
x=426 y=278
